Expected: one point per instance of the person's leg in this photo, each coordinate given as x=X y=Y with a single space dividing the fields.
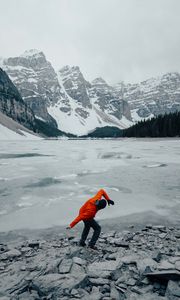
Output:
x=85 y=233
x=97 y=230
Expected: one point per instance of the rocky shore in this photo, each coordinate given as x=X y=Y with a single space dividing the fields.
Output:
x=130 y=264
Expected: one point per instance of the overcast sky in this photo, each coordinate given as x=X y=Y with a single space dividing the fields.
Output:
x=128 y=40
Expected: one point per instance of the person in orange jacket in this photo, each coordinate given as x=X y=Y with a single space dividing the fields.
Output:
x=87 y=213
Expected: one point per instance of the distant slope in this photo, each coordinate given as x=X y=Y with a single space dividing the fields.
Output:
x=47 y=130
x=105 y=132
x=11 y=130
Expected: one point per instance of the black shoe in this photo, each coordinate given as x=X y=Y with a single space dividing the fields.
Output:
x=93 y=247
x=82 y=244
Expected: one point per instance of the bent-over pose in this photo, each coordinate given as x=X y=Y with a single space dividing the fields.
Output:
x=87 y=213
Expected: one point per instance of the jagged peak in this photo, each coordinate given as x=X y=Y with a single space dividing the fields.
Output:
x=68 y=68
x=65 y=69
x=171 y=75
x=99 y=81
x=32 y=53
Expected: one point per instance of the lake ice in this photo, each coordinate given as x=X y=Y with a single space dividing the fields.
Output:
x=44 y=182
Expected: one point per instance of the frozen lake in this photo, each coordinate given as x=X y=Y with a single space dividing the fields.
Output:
x=43 y=183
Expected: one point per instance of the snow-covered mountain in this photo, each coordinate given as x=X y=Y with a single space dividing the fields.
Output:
x=64 y=98
x=105 y=98
x=36 y=80
x=152 y=97
x=17 y=116
x=84 y=107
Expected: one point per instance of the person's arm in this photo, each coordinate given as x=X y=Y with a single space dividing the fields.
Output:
x=101 y=193
x=75 y=221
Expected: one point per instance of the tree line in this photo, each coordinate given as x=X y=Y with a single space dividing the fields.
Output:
x=167 y=125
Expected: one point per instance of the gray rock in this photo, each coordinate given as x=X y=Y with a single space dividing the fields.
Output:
x=177 y=265
x=149 y=226
x=131 y=282
x=74 y=282
x=109 y=234
x=99 y=273
x=77 y=269
x=165 y=265
x=142 y=264
x=159 y=227
x=95 y=294
x=65 y=266
x=114 y=294
x=34 y=244
x=57 y=283
x=126 y=276
x=112 y=256
x=105 y=288
x=28 y=296
x=98 y=281
x=173 y=290
x=23 y=268
x=103 y=266
x=120 y=243
x=177 y=235
x=25 y=249
x=157 y=256
x=75 y=293
x=164 y=275
x=53 y=266
x=14 y=253
x=162 y=235
x=48 y=283
x=174 y=259
x=79 y=261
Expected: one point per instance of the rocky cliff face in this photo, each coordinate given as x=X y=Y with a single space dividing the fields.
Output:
x=65 y=99
x=96 y=102
x=36 y=80
x=152 y=97
x=12 y=104
x=75 y=84
x=108 y=99
x=98 y=93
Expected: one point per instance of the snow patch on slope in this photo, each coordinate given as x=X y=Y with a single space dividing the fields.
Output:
x=12 y=130
x=137 y=118
x=7 y=134
x=73 y=122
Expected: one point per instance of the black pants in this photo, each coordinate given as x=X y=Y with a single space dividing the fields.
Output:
x=97 y=229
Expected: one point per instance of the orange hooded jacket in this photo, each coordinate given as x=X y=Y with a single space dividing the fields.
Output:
x=89 y=209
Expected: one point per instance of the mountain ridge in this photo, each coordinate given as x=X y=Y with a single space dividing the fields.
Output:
x=67 y=101
x=59 y=101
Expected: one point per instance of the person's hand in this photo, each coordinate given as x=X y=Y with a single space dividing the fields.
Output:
x=68 y=228
x=110 y=202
